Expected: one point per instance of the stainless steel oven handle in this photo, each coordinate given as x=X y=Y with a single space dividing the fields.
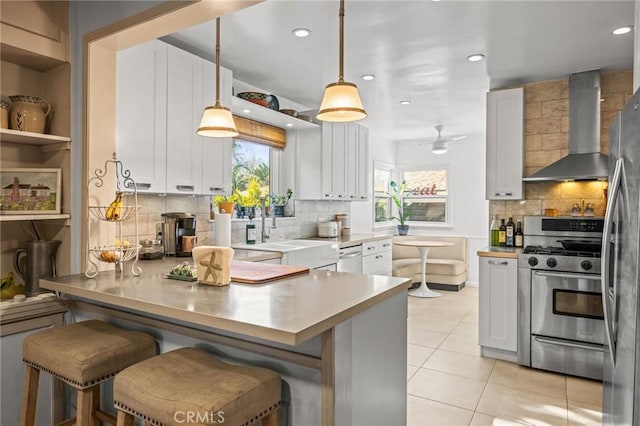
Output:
x=606 y=237
x=568 y=275
x=575 y=345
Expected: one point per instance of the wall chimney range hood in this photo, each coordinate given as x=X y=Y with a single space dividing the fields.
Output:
x=584 y=161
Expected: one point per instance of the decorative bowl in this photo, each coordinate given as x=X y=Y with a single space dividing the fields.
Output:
x=291 y=112
x=305 y=117
x=262 y=99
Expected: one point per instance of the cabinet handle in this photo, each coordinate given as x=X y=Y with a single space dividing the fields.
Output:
x=371 y=248
x=363 y=198
x=386 y=245
x=327 y=195
x=504 y=194
x=185 y=187
x=212 y=188
x=495 y=262
x=140 y=185
x=339 y=195
x=379 y=256
x=352 y=196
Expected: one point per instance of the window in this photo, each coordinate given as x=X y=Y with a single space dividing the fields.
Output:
x=250 y=171
x=382 y=202
x=427 y=195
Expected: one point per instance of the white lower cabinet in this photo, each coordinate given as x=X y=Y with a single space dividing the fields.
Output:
x=498 y=292
x=376 y=257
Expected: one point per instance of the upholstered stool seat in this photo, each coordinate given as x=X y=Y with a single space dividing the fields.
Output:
x=83 y=355
x=163 y=390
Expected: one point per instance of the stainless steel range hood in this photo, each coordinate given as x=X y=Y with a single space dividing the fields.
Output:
x=584 y=161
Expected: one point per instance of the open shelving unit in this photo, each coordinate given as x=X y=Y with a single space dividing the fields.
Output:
x=47 y=143
x=18 y=217
x=268 y=115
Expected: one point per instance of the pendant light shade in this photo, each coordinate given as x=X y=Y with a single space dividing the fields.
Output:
x=217 y=121
x=341 y=101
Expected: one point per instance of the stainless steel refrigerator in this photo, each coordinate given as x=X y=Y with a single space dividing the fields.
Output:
x=620 y=266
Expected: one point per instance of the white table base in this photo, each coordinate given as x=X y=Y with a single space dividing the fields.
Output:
x=423 y=290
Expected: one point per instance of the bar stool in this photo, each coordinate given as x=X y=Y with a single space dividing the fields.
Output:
x=191 y=386
x=83 y=355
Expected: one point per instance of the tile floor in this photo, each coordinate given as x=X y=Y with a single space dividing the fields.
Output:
x=449 y=383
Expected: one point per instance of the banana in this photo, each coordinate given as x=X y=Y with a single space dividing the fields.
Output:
x=115 y=208
x=9 y=288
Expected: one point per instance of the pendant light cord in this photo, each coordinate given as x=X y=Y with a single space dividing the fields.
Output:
x=341 y=70
x=218 y=62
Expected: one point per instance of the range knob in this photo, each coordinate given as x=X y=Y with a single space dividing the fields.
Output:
x=533 y=261
x=551 y=262
x=586 y=265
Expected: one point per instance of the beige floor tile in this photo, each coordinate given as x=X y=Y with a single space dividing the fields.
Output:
x=427 y=322
x=467 y=330
x=423 y=412
x=465 y=365
x=529 y=407
x=421 y=337
x=446 y=388
x=417 y=355
x=480 y=419
x=584 y=390
x=471 y=318
x=411 y=370
x=528 y=379
x=461 y=344
x=584 y=414
x=445 y=313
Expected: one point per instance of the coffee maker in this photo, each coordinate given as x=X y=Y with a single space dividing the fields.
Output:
x=179 y=234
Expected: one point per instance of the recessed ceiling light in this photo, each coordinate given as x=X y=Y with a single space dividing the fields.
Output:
x=301 y=32
x=475 y=57
x=622 y=30
x=368 y=77
x=289 y=124
x=405 y=102
x=246 y=111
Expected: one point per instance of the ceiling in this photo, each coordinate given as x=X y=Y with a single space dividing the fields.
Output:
x=417 y=50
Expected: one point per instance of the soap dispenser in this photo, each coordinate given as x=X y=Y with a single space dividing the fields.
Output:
x=251 y=231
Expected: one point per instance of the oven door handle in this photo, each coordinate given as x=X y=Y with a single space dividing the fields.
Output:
x=568 y=275
x=575 y=345
x=614 y=185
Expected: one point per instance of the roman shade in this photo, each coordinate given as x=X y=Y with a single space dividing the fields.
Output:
x=255 y=131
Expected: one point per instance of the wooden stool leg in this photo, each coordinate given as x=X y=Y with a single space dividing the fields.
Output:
x=30 y=396
x=124 y=419
x=84 y=409
x=95 y=402
x=271 y=419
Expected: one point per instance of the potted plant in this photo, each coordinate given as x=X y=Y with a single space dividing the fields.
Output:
x=249 y=199
x=279 y=202
x=397 y=195
x=225 y=203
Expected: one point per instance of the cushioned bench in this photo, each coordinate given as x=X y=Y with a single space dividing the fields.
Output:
x=446 y=266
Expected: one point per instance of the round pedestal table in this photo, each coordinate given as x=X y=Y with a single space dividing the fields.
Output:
x=423 y=247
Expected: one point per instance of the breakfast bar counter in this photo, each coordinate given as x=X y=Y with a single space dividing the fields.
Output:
x=326 y=333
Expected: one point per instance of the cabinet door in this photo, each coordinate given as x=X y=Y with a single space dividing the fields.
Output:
x=184 y=111
x=351 y=164
x=216 y=152
x=505 y=141
x=141 y=114
x=362 y=192
x=499 y=303
x=327 y=161
x=309 y=159
x=338 y=167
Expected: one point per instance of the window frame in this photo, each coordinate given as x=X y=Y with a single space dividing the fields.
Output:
x=448 y=203
x=378 y=165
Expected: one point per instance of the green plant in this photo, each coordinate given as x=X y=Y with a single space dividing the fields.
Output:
x=281 y=200
x=397 y=195
x=250 y=197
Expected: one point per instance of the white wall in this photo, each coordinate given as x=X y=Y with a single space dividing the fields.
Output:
x=636 y=48
x=362 y=211
x=469 y=210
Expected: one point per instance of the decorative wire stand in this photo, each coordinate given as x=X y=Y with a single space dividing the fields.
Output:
x=121 y=252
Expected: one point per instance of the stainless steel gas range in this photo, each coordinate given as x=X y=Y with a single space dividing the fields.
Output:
x=560 y=317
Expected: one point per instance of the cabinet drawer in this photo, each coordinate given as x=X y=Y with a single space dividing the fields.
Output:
x=384 y=245
x=376 y=263
x=369 y=248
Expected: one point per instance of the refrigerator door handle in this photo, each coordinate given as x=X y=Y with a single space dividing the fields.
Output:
x=606 y=248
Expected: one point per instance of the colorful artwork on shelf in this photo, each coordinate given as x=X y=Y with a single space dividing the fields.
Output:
x=30 y=191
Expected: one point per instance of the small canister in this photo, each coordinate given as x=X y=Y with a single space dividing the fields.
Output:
x=4 y=114
x=151 y=249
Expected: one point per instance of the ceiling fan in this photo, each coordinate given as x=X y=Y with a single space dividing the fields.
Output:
x=440 y=143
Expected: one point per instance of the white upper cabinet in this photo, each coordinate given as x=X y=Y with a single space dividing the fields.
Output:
x=216 y=152
x=505 y=144
x=161 y=93
x=141 y=114
x=333 y=163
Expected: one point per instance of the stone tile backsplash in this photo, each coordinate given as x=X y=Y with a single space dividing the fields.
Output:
x=303 y=225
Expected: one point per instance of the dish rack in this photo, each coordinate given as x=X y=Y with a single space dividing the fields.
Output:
x=120 y=251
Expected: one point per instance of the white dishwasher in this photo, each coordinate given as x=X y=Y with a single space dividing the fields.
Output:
x=350 y=259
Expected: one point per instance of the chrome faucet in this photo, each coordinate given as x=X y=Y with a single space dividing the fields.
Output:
x=264 y=235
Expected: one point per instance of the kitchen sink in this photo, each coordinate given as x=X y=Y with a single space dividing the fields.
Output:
x=305 y=253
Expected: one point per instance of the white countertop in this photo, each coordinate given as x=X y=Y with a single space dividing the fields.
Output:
x=353 y=239
x=287 y=311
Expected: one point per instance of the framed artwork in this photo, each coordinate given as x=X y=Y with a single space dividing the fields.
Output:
x=30 y=191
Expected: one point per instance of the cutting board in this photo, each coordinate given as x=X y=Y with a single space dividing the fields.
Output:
x=259 y=272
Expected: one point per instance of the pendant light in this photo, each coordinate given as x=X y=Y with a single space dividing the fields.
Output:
x=341 y=101
x=217 y=121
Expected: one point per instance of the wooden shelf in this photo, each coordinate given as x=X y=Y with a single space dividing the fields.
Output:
x=17 y=217
x=268 y=116
x=30 y=138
